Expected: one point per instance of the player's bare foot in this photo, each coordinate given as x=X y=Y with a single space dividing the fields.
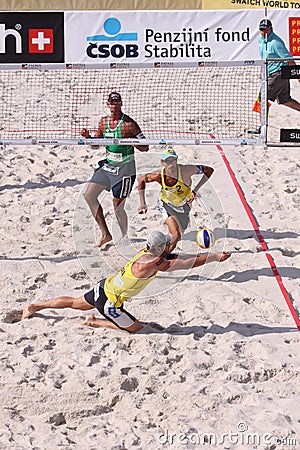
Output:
x=105 y=239
x=89 y=320
x=28 y=311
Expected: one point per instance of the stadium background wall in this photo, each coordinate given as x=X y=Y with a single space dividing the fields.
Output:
x=65 y=5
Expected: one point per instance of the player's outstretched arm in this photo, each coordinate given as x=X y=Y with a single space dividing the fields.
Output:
x=191 y=261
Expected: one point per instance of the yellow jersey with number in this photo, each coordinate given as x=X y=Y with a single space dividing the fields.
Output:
x=178 y=194
x=124 y=285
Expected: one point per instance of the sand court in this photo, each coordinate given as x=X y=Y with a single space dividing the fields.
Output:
x=220 y=349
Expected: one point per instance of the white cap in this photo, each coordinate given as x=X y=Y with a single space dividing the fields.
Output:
x=157 y=238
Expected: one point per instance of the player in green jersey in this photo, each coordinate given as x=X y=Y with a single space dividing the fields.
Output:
x=117 y=172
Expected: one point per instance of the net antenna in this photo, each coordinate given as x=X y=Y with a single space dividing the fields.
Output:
x=264 y=91
x=174 y=103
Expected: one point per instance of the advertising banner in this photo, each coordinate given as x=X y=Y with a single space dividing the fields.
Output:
x=113 y=38
x=36 y=37
x=171 y=36
x=244 y=4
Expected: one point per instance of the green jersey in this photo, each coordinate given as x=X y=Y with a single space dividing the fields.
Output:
x=117 y=154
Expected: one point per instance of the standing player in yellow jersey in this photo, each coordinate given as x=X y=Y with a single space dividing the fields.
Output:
x=117 y=172
x=176 y=194
x=110 y=293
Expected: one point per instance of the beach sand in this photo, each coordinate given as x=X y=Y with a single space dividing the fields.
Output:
x=217 y=363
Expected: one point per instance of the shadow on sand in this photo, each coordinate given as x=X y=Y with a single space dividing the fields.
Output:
x=245 y=329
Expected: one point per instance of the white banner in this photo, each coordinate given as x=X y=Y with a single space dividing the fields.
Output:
x=247 y=4
x=116 y=37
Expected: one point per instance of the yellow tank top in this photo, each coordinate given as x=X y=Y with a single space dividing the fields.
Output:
x=124 y=285
x=178 y=194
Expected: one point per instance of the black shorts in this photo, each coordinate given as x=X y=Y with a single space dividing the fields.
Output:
x=117 y=178
x=119 y=316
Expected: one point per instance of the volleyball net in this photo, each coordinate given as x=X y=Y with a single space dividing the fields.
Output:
x=185 y=104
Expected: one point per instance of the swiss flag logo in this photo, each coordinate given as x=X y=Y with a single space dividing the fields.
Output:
x=40 y=40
